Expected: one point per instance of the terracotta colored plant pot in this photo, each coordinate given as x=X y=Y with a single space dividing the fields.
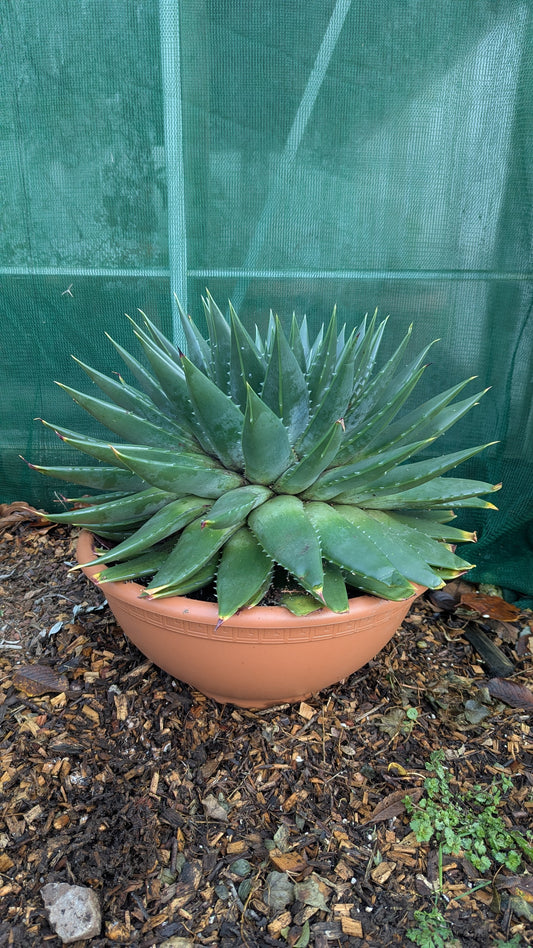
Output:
x=262 y=657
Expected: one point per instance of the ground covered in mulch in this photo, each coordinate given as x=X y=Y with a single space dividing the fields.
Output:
x=199 y=824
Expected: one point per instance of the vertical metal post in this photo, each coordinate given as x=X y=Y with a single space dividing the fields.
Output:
x=169 y=29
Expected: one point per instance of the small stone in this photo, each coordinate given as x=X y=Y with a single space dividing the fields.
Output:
x=73 y=911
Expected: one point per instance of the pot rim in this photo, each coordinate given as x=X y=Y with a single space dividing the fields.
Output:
x=265 y=616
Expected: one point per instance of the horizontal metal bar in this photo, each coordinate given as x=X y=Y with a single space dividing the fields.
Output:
x=164 y=273
x=84 y=272
x=459 y=275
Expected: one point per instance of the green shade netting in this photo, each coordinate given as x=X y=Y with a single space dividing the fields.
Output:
x=285 y=155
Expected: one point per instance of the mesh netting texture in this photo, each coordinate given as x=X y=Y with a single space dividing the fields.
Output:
x=286 y=156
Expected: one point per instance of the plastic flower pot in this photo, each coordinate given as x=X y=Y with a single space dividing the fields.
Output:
x=262 y=656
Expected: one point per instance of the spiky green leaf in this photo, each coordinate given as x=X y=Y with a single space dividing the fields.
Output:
x=333 y=404
x=335 y=595
x=266 y=447
x=438 y=492
x=287 y=536
x=165 y=345
x=433 y=528
x=234 y=506
x=132 y=507
x=197 y=347
x=127 y=425
x=171 y=377
x=98 y=478
x=406 y=476
x=321 y=371
x=247 y=365
x=305 y=472
x=220 y=419
x=400 y=548
x=243 y=574
x=195 y=548
x=394 y=532
x=432 y=418
x=179 y=473
x=125 y=396
x=145 y=380
x=285 y=388
x=361 y=475
x=219 y=342
x=166 y=521
x=350 y=547
x=201 y=578
x=296 y=341
x=137 y=568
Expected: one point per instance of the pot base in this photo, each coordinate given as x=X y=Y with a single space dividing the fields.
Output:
x=259 y=658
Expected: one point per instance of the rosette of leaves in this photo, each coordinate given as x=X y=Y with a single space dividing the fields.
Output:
x=273 y=459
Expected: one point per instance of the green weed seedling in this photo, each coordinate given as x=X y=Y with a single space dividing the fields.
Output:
x=432 y=929
x=466 y=824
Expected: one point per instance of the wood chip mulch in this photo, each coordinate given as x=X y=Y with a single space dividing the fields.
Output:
x=176 y=810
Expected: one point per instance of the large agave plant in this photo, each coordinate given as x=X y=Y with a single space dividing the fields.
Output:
x=256 y=461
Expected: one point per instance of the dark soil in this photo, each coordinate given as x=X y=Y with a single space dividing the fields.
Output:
x=175 y=810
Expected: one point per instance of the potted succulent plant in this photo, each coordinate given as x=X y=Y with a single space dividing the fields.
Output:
x=259 y=500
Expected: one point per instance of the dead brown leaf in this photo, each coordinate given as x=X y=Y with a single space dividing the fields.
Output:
x=510 y=692
x=522 y=883
x=524 y=642
x=491 y=607
x=19 y=512
x=214 y=809
x=393 y=805
x=35 y=680
x=313 y=891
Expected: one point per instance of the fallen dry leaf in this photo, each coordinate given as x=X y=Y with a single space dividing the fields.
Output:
x=19 y=512
x=35 y=680
x=511 y=693
x=449 y=597
x=525 y=641
x=213 y=809
x=392 y=722
x=393 y=805
x=524 y=885
x=521 y=907
x=312 y=891
x=491 y=607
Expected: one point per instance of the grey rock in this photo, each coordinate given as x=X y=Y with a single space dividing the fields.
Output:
x=73 y=911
